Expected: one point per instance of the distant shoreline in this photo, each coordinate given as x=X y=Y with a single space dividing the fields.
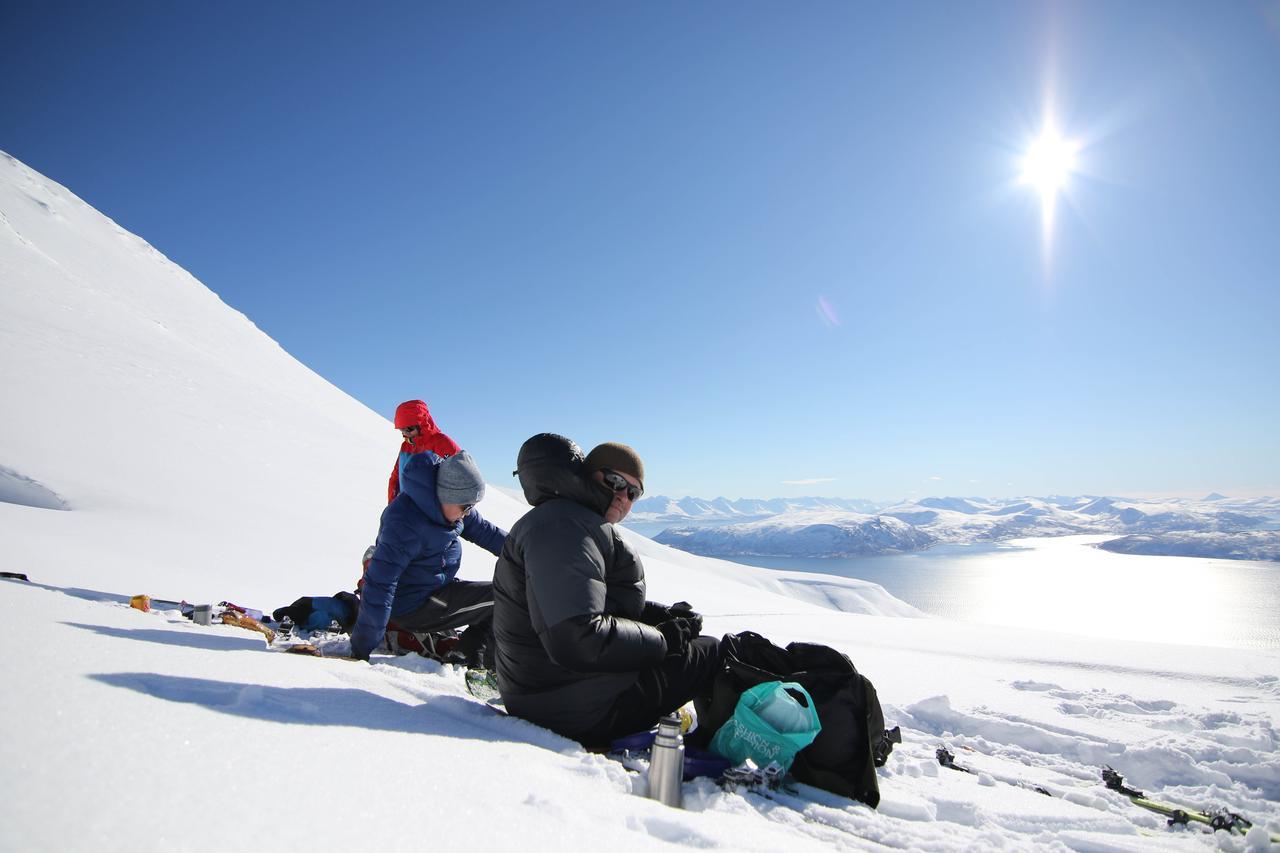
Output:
x=1262 y=545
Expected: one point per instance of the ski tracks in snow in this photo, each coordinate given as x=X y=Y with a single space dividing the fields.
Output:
x=1174 y=751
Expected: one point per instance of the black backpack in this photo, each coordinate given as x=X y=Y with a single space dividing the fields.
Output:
x=843 y=758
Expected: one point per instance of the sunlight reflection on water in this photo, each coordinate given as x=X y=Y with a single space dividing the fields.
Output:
x=1065 y=584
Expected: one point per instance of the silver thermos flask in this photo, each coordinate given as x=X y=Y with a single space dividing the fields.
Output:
x=666 y=762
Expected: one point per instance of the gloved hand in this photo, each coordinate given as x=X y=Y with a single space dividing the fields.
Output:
x=655 y=614
x=683 y=609
x=334 y=608
x=298 y=613
x=314 y=613
x=677 y=632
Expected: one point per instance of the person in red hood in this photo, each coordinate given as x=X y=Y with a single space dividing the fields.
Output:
x=420 y=432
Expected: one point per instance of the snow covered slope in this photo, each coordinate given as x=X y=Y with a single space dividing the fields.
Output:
x=141 y=731
x=192 y=456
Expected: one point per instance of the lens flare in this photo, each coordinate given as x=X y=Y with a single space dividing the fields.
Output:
x=827 y=312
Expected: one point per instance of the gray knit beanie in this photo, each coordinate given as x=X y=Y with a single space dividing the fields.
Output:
x=458 y=480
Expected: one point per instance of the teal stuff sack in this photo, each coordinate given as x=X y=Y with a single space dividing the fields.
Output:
x=772 y=722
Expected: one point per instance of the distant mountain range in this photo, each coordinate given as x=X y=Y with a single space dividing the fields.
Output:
x=835 y=527
x=1250 y=545
x=661 y=507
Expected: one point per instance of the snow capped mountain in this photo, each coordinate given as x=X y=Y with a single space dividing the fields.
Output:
x=955 y=504
x=922 y=523
x=695 y=507
x=1251 y=545
x=661 y=508
x=806 y=534
x=1098 y=506
x=724 y=506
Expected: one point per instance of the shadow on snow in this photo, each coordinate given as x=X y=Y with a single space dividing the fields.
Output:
x=440 y=715
x=214 y=642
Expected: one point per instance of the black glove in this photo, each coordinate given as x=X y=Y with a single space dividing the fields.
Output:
x=298 y=613
x=677 y=632
x=655 y=614
x=683 y=610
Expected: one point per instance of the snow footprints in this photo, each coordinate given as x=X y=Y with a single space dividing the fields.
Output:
x=1181 y=752
x=1190 y=746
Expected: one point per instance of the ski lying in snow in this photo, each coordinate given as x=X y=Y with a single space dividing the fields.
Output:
x=312 y=650
x=241 y=620
x=1220 y=820
x=225 y=613
x=948 y=760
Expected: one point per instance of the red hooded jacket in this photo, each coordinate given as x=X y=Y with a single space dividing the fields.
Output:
x=415 y=413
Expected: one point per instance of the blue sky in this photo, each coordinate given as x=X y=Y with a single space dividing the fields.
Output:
x=781 y=249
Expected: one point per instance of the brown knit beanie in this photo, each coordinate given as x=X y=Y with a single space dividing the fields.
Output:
x=617 y=457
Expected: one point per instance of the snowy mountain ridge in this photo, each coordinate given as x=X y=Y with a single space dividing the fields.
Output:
x=802 y=532
x=663 y=508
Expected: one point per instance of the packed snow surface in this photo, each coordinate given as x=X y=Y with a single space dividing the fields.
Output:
x=186 y=476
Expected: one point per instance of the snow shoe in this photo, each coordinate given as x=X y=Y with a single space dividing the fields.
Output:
x=483 y=684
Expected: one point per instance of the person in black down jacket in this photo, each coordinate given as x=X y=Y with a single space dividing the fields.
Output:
x=579 y=650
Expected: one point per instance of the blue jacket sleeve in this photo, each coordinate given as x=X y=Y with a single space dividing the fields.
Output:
x=396 y=547
x=489 y=536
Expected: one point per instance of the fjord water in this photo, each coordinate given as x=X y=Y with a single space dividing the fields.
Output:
x=1067 y=584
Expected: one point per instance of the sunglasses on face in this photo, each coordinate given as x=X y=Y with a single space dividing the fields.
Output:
x=466 y=508
x=618 y=483
x=413 y=430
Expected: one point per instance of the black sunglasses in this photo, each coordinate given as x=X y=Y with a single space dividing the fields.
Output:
x=619 y=483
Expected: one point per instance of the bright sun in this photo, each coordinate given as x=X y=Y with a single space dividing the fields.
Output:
x=1048 y=163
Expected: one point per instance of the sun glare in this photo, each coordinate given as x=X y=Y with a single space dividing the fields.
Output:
x=1047 y=167
x=1048 y=163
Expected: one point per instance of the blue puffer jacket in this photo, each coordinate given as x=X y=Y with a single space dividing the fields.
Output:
x=417 y=553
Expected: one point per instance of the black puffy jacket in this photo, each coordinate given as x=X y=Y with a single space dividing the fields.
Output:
x=567 y=592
